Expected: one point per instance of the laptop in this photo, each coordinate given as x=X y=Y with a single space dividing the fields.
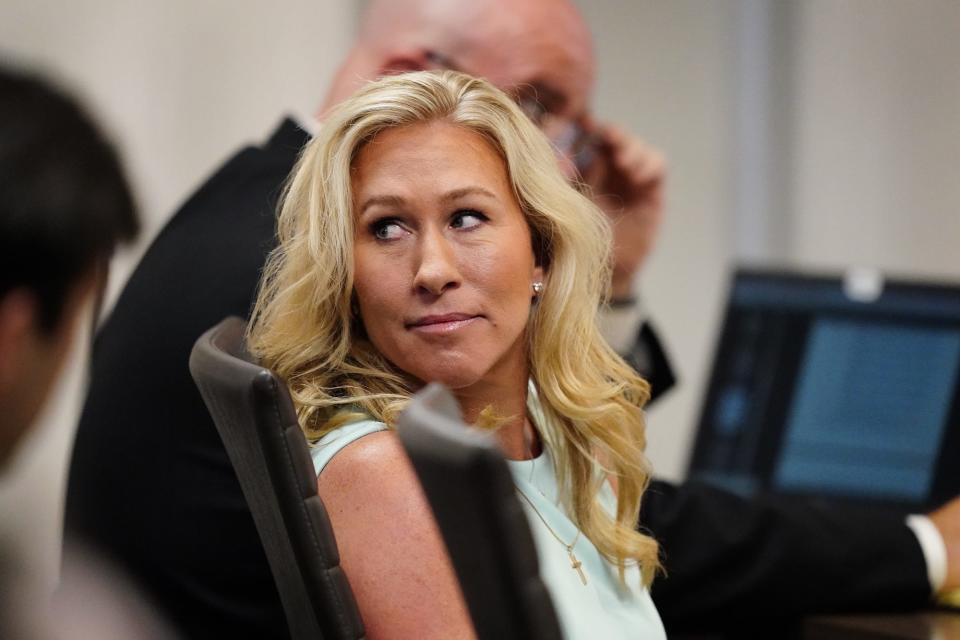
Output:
x=844 y=387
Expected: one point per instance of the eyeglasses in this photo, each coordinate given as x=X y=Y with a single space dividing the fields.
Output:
x=567 y=136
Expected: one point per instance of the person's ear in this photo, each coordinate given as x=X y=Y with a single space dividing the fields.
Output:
x=18 y=313
x=406 y=61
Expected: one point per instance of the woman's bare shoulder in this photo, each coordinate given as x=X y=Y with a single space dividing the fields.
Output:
x=390 y=546
x=373 y=456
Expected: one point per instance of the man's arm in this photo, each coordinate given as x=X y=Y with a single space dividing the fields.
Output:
x=627 y=179
x=633 y=336
x=731 y=561
x=947 y=521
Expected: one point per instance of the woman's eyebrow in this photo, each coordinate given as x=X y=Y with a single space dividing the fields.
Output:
x=398 y=201
x=456 y=194
x=386 y=201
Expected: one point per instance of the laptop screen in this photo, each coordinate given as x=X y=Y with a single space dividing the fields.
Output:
x=820 y=388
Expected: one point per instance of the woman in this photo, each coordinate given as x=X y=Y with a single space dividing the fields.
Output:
x=427 y=234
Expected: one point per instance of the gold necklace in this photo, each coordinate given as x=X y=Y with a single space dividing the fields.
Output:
x=575 y=563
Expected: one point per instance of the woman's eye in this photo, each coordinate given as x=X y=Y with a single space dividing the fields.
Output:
x=467 y=219
x=386 y=229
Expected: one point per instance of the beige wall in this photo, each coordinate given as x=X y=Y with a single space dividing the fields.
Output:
x=877 y=178
x=181 y=84
x=666 y=74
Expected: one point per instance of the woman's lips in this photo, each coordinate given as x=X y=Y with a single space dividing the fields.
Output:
x=446 y=323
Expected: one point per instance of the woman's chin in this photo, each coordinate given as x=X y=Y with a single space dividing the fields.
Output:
x=453 y=378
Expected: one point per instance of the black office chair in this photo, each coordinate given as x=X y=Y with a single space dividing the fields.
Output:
x=255 y=417
x=472 y=494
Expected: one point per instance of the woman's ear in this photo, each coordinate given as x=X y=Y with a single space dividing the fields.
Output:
x=18 y=319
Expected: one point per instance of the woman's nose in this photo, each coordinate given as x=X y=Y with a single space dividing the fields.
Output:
x=437 y=266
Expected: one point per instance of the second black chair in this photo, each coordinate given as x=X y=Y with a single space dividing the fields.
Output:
x=472 y=495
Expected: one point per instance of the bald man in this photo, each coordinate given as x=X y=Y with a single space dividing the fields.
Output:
x=151 y=483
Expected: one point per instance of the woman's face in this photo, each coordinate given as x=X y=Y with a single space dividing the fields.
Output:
x=442 y=256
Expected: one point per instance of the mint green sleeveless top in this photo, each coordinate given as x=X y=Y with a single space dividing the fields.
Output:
x=604 y=607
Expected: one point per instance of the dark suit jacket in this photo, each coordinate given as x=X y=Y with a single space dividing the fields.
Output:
x=151 y=484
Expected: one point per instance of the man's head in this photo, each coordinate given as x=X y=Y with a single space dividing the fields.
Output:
x=529 y=48
x=64 y=205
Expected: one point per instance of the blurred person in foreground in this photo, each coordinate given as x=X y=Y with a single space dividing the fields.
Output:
x=180 y=524
x=428 y=235
x=64 y=206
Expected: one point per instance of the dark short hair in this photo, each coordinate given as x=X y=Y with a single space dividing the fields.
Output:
x=64 y=201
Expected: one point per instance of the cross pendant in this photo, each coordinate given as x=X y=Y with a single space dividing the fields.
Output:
x=575 y=564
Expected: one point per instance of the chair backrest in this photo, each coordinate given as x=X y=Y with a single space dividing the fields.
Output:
x=255 y=417
x=471 y=491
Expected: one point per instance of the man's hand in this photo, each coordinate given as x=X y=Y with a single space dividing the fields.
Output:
x=947 y=521
x=627 y=179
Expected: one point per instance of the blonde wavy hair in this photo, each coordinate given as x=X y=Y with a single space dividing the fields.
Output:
x=305 y=328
